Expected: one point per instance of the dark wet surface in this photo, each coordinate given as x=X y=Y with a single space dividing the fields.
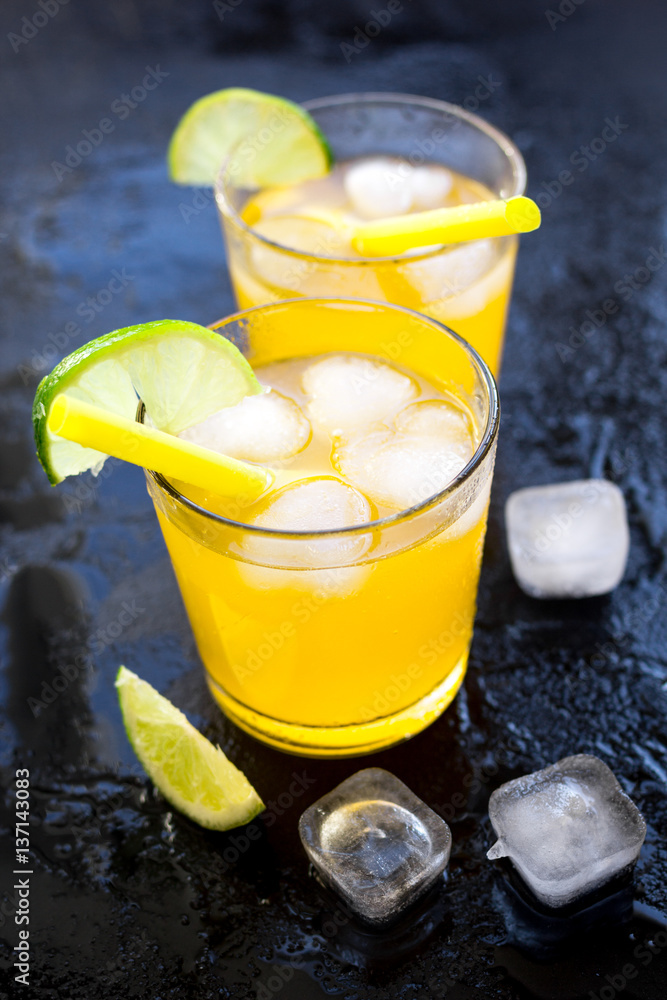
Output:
x=131 y=900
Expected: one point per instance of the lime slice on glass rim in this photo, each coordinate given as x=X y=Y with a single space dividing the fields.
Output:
x=183 y=373
x=277 y=141
x=192 y=774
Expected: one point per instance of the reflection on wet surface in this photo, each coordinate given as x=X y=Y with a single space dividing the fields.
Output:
x=49 y=663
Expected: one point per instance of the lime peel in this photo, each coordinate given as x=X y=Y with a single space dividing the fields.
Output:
x=192 y=774
x=276 y=140
x=183 y=373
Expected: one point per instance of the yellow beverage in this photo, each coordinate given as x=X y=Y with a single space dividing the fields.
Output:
x=286 y=242
x=344 y=625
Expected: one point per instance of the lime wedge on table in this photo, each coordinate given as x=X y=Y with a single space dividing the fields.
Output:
x=181 y=371
x=277 y=141
x=191 y=773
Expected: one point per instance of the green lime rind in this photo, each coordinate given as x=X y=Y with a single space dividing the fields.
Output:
x=183 y=373
x=276 y=142
x=192 y=774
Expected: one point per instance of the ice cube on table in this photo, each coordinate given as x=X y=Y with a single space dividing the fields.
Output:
x=348 y=392
x=430 y=187
x=568 y=539
x=376 y=844
x=401 y=470
x=266 y=427
x=567 y=829
x=379 y=188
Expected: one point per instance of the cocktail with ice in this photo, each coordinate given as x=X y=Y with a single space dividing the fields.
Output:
x=394 y=155
x=326 y=526
x=334 y=614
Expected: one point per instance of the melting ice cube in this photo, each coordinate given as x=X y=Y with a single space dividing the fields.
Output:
x=324 y=563
x=266 y=427
x=567 y=829
x=317 y=504
x=401 y=470
x=436 y=418
x=324 y=233
x=379 y=188
x=375 y=843
x=569 y=539
x=348 y=392
x=466 y=270
x=430 y=187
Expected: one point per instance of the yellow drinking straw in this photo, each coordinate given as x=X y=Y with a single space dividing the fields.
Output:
x=483 y=219
x=94 y=427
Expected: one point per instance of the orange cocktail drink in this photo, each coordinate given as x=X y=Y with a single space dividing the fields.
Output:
x=334 y=615
x=394 y=154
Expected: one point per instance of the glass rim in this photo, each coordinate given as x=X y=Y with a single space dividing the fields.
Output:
x=508 y=147
x=486 y=441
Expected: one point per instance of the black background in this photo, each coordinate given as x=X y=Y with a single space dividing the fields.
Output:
x=127 y=898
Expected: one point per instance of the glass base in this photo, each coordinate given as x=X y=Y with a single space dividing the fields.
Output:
x=343 y=741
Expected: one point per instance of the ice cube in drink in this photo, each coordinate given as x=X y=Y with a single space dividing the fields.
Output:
x=300 y=585
x=347 y=392
x=317 y=504
x=268 y=427
x=330 y=621
x=392 y=438
x=376 y=190
x=465 y=286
